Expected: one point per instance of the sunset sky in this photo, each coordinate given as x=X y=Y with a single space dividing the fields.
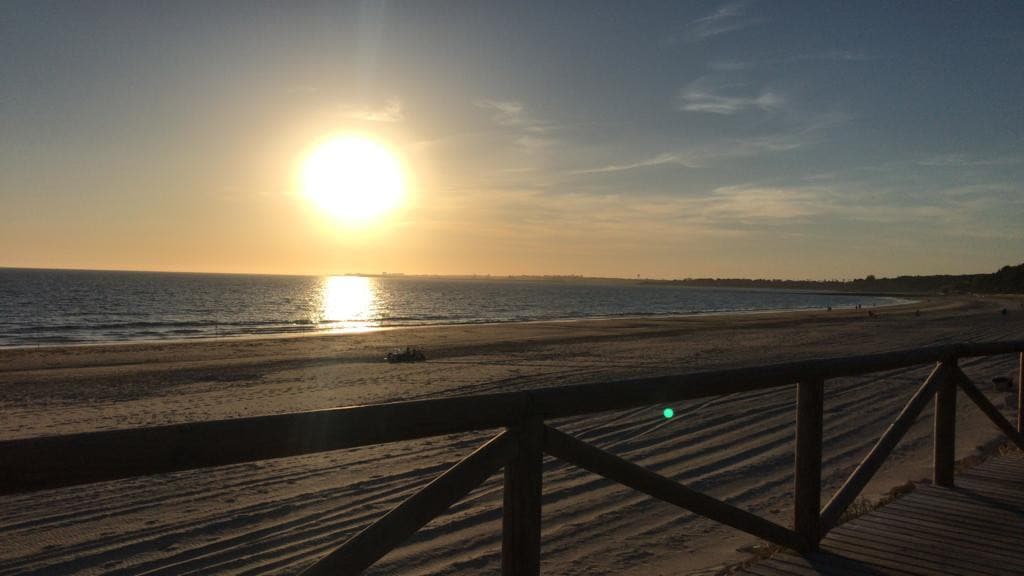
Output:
x=662 y=139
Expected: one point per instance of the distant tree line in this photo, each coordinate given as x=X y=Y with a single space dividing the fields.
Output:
x=1009 y=279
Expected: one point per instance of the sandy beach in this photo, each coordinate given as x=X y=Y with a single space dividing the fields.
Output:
x=276 y=517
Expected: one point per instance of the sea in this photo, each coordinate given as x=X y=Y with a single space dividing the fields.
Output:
x=56 y=307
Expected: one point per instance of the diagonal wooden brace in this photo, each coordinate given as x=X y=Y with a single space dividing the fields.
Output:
x=579 y=453
x=988 y=409
x=860 y=477
x=376 y=540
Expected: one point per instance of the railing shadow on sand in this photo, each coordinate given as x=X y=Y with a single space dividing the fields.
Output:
x=58 y=461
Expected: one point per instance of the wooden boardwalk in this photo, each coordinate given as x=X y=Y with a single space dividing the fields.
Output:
x=975 y=528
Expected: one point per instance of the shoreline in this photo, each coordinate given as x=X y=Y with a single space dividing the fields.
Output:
x=372 y=344
x=900 y=301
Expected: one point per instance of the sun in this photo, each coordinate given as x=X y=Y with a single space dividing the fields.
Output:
x=353 y=179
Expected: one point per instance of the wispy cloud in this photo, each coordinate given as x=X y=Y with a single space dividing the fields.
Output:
x=747 y=147
x=752 y=203
x=528 y=132
x=710 y=153
x=725 y=211
x=829 y=56
x=730 y=65
x=659 y=160
x=799 y=129
x=506 y=112
x=389 y=111
x=560 y=216
x=964 y=161
x=1000 y=191
x=976 y=209
x=548 y=220
x=711 y=96
x=512 y=113
x=727 y=18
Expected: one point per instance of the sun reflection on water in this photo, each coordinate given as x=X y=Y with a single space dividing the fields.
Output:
x=349 y=303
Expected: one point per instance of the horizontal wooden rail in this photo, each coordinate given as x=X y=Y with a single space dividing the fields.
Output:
x=57 y=461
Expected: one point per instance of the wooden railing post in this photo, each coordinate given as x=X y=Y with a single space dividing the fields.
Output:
x=1020 y=394
x=520 y=545
x=944 y=452
x=807 y=475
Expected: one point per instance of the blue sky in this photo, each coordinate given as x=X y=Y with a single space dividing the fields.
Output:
x=665 y=139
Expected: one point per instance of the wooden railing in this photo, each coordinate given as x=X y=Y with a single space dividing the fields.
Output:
x=51 y=462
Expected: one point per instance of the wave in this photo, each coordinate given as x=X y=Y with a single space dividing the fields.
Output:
x=54 y=307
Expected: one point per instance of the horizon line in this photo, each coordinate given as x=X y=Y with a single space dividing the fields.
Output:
x=473 y=275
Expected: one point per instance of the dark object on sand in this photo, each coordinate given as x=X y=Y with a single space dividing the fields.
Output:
x=407 y=355
x=1002 y=383
x=1004 y=312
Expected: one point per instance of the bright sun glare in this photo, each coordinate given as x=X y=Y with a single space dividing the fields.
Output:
x=353 y=179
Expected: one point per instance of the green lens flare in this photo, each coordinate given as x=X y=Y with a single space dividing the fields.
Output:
x=668 y=412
